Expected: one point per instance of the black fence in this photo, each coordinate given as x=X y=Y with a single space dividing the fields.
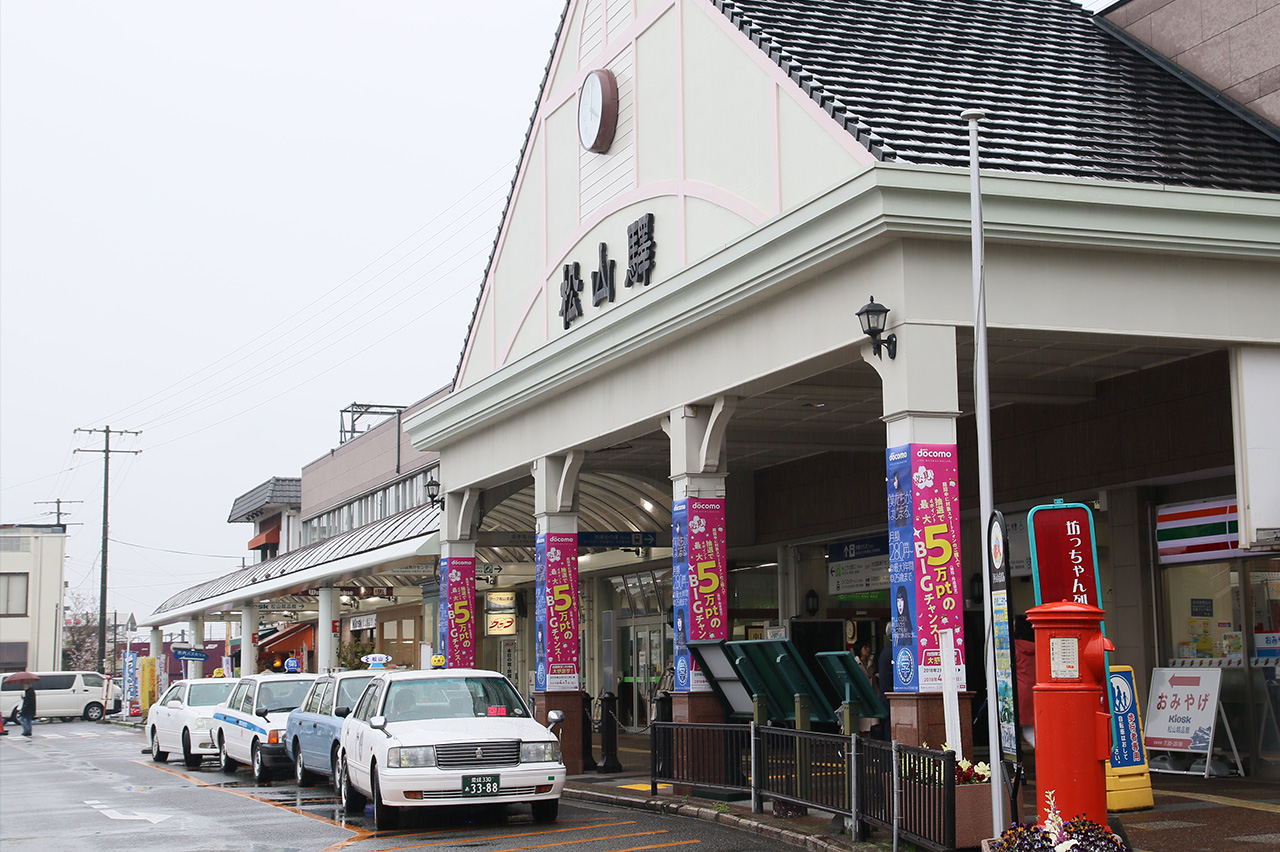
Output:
x=913 y=788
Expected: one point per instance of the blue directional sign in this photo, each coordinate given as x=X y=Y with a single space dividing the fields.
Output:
x=190 y=654
x=617 y=539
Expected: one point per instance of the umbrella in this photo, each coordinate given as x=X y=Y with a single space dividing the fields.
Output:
x=21 y=677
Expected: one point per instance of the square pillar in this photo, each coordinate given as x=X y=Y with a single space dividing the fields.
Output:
x=195 y=668
x=326 y=630
x=248 y=638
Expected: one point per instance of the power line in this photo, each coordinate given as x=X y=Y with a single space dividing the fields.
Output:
x=178 y=552
x=58 y=511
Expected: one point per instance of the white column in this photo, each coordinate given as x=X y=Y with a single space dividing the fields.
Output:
x=195 y=668
x=248 y=628
x=326 y=641
x=157 y=642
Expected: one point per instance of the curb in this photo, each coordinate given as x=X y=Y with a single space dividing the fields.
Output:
x=699 y=812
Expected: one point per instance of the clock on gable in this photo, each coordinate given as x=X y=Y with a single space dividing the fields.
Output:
x=598 y=111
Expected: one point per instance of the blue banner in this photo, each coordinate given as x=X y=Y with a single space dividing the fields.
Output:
x=680 y=593
x=1127 y=747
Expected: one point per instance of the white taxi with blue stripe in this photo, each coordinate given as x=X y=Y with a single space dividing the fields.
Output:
x=249 y=727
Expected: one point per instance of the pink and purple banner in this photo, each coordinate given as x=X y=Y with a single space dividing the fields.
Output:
x=699 y=569
x=924 y=563
x=556 y=641
x=458 y=611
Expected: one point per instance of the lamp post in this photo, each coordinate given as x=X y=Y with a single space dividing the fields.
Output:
x=872 y=317
x=433 y=491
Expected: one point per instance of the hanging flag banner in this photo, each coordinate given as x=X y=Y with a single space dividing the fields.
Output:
x=924 y=563
x=708 y=570
x=540 y=614
x=458 y=611
x=133 y=706
x=559 y=611
x=684 y=664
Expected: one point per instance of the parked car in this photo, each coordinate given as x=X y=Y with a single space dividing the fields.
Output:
x=312 y=731
x=183 y=719
x=250 y=725
x=65 y=695
x=446 y=737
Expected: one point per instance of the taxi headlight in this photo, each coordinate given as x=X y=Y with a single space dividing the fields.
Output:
x=548 y=752
x=405 y=757
x=202 y=724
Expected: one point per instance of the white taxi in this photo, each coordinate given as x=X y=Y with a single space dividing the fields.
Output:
x=250 y=725
x=446 y=737
x=183 y=719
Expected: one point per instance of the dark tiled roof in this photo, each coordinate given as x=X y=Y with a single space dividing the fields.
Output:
x=276 y=491
x=1062 y=97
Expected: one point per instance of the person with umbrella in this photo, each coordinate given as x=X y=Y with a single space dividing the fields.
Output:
x=27 y=710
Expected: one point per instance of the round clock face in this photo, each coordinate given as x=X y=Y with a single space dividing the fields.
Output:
x=598 y=111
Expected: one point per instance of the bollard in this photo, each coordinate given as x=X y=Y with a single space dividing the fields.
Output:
x=609 y=734
x=665 y=755
x=588 y=761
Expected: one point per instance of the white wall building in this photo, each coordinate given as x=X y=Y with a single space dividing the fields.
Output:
x=31 y=587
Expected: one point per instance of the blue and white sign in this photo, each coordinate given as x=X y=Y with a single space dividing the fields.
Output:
x=292 y=665
x=130 y=676
x=190 y=654
x=375 y=661
x=680 y=594
x=859 y=565
x=1127 y=749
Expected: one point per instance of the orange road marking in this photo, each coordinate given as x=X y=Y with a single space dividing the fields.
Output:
x=582 y=840
x=659 y=845
x=505 y=836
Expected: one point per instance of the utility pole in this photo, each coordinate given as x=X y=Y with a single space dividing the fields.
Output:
x=57 y=511
x=106 y=451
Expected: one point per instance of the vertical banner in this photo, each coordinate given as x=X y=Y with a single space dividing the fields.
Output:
x=680 y=594
x=458 y=611
x=147 y=683
x=924 y=563
x=561 y=611
x=708 y=570
x=540 y=614
x=1064 y=558
x=1007 y=706
x=132 y=704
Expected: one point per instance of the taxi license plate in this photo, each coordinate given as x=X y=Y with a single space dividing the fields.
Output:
x=480 y=785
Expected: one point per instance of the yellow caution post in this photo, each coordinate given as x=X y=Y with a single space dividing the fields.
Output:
x=1128 y=779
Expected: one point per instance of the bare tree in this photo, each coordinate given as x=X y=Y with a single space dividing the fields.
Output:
x=80 y=633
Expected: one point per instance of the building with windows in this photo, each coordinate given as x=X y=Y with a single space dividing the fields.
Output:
x=666 y=416
x=31 y=580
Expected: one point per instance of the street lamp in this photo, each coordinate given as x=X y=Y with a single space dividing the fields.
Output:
x=872 y=319
x=433 y=490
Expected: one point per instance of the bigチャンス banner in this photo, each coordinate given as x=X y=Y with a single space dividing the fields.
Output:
x=458 y=611
x=556 y=613
x=924 y=563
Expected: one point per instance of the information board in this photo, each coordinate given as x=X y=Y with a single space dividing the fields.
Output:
x=1182 y=709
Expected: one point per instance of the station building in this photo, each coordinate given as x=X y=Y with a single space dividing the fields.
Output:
x=708 y=195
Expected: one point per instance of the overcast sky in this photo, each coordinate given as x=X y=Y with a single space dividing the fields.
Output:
x=220 y=224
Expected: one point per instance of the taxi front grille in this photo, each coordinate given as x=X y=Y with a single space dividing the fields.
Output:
x=453 y=794
x=478 y=755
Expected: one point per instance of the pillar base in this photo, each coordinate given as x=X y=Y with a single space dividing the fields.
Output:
x=696 y=707
x=570 y=730
x=917 y=718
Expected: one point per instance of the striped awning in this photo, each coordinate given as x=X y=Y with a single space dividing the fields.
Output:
x=1198 y=532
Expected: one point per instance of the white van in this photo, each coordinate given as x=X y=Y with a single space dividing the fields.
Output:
x=65 y=695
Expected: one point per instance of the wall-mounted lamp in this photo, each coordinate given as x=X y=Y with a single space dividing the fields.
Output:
x=872 y=318
x=811 y=603
x=433 y=490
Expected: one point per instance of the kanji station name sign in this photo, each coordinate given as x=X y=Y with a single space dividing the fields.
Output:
x=641 y=252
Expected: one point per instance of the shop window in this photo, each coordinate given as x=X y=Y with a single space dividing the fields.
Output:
x=1204 y=611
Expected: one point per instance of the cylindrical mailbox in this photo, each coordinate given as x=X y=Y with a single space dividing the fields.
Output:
x=1073 y=717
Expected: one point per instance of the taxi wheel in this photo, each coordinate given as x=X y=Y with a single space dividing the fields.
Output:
x=191 y=760
x=385 y=817
x=301 y=775
x=352 y=799
x=261 y=774
x=157 y=754
x=227 y=764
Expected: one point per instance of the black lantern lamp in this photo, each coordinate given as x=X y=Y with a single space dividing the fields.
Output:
x=872 y=317
x=811 y=602
x=433 y=490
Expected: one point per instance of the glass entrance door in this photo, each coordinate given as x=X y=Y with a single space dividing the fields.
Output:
x=646 y=660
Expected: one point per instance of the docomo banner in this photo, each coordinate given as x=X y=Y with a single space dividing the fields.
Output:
x=556 y=613
x=924 y=563
x=699 y=596
x=458 y=611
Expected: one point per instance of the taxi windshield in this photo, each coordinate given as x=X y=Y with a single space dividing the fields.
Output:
x=452 y=698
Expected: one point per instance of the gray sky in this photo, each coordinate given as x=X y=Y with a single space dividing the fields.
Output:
x=221 y=223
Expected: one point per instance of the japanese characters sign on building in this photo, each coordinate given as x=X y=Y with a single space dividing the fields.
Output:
x=924 y=563
x=641 y=253
x=1064 y=560
x=458 y=611
x=556 y=613
x=1182 y=707
x=858 y=566
x=699 y=594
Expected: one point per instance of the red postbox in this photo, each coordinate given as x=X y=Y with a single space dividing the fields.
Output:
x=1073 y=716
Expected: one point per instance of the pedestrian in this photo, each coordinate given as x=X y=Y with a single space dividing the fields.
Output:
x=868 y=667
x=884 y=681
x=27 y=712
x=1024 y=654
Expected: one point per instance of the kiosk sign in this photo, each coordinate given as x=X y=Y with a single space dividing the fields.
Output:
x=1181 y=709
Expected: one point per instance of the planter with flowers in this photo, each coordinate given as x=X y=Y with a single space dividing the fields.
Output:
x=1056 y=835
x=973 y=802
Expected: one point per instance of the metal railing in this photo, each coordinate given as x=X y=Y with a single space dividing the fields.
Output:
x=894 y=785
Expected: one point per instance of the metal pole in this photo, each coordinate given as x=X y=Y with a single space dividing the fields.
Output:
x=102 y=586
x=897 y=795
x=982 y=417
